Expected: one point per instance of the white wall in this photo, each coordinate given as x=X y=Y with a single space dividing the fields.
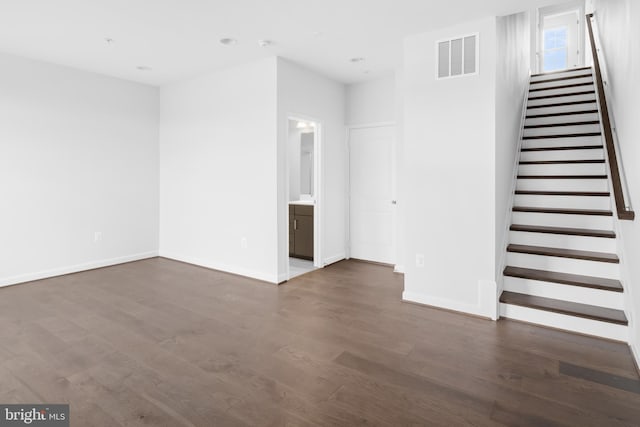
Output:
x=218 y=170
x=78 y=154
x=372 y=102
x=449 y=162
x=512 y=74
x=305 y=94
x=619 y=34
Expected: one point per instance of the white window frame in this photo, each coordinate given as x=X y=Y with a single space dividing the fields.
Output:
x=450 y=39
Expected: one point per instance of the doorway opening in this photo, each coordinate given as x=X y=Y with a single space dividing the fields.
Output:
x=303 y=164
x=561 y=37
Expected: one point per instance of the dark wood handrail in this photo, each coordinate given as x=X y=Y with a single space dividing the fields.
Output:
x=618 y=193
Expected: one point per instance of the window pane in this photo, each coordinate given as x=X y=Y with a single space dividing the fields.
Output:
x=456 y=57
x=470 y=55
x=555 y=60
x=443 y=59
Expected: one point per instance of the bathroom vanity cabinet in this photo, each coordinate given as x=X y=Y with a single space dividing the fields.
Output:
x=301 y=231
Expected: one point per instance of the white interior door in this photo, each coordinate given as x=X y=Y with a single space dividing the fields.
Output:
x=561 y=41
x=372 y=204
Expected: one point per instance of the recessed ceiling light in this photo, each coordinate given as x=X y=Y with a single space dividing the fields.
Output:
x=109 y=41
x=228 y=41
x=357 y=59
x=144 y=68
x=264 y=43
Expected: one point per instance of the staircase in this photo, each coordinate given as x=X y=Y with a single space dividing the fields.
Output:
x=562 y=268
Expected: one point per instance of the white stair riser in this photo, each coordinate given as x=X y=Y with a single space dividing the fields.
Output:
x=590 y=117
x=562 y=142
x=564 y=169
x=564 y=265
x=552 y=76
x=578 y=294
x=532 y=102
x=562 y=109
x=562 y=130
x=565 y=202
x=570 y=323
x=562 y=220
x=561 y=91
x=562 y=184
x=535 y=85
x=533 y=156
x=563 y=241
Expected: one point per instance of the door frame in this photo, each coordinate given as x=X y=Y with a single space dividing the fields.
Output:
x=318 y=198
x=394 y=184
x=559 y=10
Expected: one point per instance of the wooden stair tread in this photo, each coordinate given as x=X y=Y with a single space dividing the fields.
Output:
x=568 y=70
x=565 y=211
x=559 y=79
x=553 y=125
x=562 y=176
x=561 y=162
x=564 y=193
x=563 y=95
x=575 y=147
x=584 y=311
x=564 y=253
x=563 y=230
x=565 y=135
x=564 y=278
x=566 y=113
x=540 y=89
x=561 y=104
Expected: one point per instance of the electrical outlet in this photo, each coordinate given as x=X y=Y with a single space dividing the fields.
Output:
x=420 y=260
x=243 y=243
x=97 y=236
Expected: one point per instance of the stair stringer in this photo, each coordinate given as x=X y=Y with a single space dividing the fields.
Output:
x=508 y=216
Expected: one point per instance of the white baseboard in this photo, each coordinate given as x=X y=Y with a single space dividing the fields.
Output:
x=487 y=305
x=334 y=259
x=30 y=277
x=233 y=269
x=398 y=268
x=282 y=278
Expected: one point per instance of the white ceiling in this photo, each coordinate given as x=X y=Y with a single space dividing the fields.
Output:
x=179 y=38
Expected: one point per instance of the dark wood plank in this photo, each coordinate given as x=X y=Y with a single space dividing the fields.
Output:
x=581 y=76
x=569 y=148
x=562 y=176
x=159 y=342
x=563 y=95
x=563 y=230
x=560 y=104
x=564 y=278
x=565 y=135
x=600 y=377
x=564 y=253
x=564 y=307
x=549 y=73
x=563 y=162
x=560 y=114
x=552 y=125
x=563 y=211
x=561 y=86
x=564 y=193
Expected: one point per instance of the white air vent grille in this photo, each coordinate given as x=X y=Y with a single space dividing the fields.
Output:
x=457 y=56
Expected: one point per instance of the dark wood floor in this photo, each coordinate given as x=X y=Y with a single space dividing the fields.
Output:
x=159 y=342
